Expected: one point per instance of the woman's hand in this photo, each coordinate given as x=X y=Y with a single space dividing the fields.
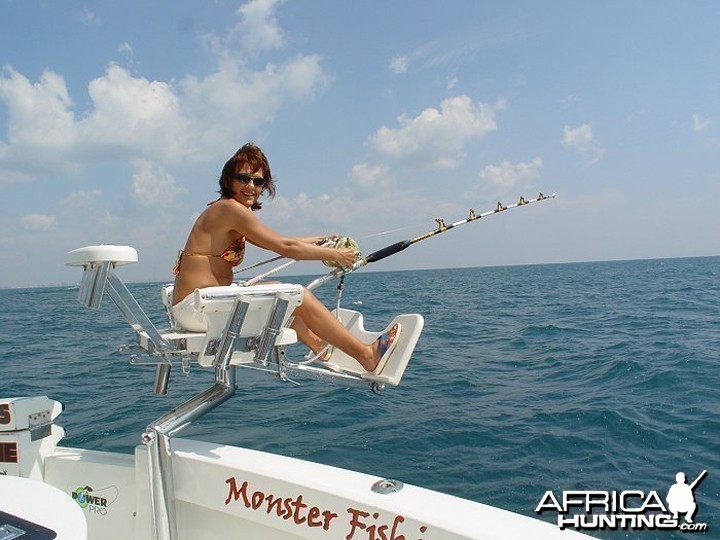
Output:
x=345 y=257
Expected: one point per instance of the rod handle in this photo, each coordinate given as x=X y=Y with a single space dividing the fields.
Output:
x=387 y=251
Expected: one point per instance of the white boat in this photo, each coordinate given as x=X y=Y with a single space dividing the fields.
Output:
x=174 y=488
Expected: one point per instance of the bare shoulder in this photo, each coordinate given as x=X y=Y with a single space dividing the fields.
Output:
x=228 y=211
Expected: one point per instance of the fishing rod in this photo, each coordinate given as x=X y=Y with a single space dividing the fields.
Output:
x=404 y=244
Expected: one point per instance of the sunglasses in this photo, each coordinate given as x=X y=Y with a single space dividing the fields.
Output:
x=257 y=181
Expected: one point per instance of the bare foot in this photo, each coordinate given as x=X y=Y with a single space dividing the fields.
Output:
x=383 y=344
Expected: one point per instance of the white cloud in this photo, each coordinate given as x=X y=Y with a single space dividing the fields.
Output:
x=38 y=222
x=90 y=17
x=232 y=102
x=135 y=115
x=38 y=122
x=126 y=51
x=258 y=28
x=508 y=174
x=130 y=116
x=399 y=64
x=437 y=137
x=700 y=123
x=82 y=208
x=38 y=114
x=506 y=179
x=79 y=201
x=578 y=137
x=136 y=118
x=580 y=140
x=152 y=186
x=369 y=177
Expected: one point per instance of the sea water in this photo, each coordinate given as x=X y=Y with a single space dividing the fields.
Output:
x=588 y=377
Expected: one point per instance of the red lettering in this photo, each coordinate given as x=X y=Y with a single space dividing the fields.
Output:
x=288 y=508
x=8 y=452
x=374 y=532
x=234 y=493
x=5 y=417
x=396 y=523
x=329 y=516
x=313 y=514
x=277 y=503
x=355 y=523
x=299 y=505
x=257 y=499
x=381 y=531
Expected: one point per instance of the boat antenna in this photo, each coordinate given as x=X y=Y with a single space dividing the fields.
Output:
x=442 y=227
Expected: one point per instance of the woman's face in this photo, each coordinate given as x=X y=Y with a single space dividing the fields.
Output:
x=245 y=188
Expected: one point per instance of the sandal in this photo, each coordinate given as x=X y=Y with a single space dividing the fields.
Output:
x=386 y=346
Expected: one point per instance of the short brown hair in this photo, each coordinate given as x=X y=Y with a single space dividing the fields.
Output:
x=250 y=154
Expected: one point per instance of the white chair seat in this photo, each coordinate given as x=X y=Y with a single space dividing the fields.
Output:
x=216 y=304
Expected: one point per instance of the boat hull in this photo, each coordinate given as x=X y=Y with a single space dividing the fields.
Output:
x=218 y=488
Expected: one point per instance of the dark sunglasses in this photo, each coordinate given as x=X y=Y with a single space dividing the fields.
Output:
x=257 y=181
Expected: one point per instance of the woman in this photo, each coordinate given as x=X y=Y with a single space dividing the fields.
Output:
x=217 y=243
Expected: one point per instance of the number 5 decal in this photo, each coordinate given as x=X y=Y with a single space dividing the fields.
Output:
x=5 y=417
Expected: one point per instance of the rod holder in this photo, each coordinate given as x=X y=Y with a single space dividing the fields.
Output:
x=272 y=330
x=162 y=376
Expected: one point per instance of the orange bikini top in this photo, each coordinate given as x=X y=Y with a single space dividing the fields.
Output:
x=233 y=254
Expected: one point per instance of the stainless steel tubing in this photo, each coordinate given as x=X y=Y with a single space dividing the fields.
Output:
x=232 y=330
x=159 y=451
x=92 y=285
x=161 y=487
x=270 y=335
x=162 y=376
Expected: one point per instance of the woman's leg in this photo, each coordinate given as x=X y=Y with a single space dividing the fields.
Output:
x=308 y=337
x=305 y=335
x=323 y=324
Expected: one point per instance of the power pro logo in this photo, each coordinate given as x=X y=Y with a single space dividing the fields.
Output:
x=94 y=501
x=629 y=509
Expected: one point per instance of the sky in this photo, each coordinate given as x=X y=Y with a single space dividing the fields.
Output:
x=377 y=117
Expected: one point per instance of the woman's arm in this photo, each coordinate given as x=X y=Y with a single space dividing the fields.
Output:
x=240 y=218
x=317 y=239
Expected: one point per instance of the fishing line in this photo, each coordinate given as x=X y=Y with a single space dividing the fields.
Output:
x=383 y=233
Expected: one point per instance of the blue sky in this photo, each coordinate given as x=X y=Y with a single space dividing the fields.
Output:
x=116 y=118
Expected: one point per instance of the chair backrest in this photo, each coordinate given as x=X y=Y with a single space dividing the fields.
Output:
x=166 y=295
x=217 y=303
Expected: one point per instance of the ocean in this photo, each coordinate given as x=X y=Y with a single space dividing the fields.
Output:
x=527 y=379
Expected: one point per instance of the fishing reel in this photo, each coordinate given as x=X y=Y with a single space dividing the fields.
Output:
x=344 y=242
